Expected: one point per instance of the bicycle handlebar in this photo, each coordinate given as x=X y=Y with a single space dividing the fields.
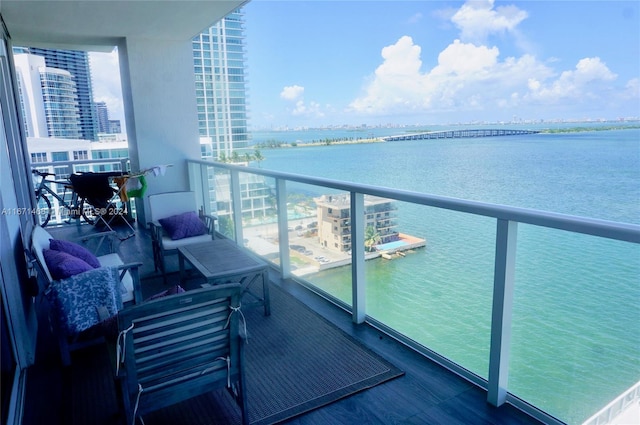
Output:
x=41 y=173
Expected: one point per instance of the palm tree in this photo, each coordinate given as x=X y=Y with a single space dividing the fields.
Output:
x=235 y=156
x=247 y=157
x=257 y=155
x=371 y=238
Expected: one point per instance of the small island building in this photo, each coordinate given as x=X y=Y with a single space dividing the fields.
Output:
x=334 y=220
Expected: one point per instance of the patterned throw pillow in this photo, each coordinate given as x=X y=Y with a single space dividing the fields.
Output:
x=76 y=250
x=183 y=225
x=62 y=265
x=76 y=301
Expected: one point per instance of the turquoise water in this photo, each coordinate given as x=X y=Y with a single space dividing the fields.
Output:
x=575 y=340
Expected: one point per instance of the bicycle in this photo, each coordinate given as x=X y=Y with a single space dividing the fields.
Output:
x=76 y=208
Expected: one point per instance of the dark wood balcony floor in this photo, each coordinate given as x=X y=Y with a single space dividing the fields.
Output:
x=426 y=394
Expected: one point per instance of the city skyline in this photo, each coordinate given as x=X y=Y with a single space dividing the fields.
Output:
x=315 y=63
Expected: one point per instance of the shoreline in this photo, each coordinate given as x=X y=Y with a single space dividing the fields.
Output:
x=368 y=140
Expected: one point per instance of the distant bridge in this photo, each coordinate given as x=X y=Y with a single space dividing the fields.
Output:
x=458 y=134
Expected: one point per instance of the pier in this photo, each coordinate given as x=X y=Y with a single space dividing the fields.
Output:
x=458 y=134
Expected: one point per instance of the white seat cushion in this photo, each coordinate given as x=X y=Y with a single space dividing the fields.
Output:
x=169 y=243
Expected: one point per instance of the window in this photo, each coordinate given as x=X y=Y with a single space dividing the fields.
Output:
x=80 y=155
x=37 y=157
x=59 y=156
x=120 y=153
x=99 y=154
x=62 y=173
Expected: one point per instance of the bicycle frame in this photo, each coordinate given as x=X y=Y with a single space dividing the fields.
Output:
x=77 y=207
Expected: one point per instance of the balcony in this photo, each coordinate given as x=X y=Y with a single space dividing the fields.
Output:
x=442 y=388
x=438 y=387
x=427 y=393
x=503 y=230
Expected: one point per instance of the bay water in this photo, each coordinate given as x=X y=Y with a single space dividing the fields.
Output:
x=576 y=314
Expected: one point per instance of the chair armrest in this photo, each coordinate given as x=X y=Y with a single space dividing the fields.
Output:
x=156 y=230
x=132 y=268
x=209 y=221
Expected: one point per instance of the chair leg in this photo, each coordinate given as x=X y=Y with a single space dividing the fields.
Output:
x=241 y=384
x=163 y=269
x=156 y=255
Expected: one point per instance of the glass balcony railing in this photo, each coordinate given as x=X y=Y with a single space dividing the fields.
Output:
x=549 y=330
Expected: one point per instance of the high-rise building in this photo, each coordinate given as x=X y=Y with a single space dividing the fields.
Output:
x=48 y=99
x=102 y=114
x=77 y=64
x=114 y=127
x=219 y=64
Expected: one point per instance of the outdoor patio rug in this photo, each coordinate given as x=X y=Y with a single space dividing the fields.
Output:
x=296 y=361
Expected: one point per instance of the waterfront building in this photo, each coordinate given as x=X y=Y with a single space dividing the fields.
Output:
x=219 y=65
x=48 y=99
x=77 y=64
x=334 y=220
x=221 y=93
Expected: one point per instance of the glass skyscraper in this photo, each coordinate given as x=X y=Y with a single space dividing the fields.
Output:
x=77 y=63
x=219 y=65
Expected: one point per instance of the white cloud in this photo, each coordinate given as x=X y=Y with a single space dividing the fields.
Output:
x=478 y=19
x=105 y=76
x=312 y=109
x=472 y=77
x=583 y=82
x=292 y=92
x=301 y=108
x=632 y=89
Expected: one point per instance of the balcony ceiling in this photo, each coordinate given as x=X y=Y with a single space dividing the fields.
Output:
x=100 y=24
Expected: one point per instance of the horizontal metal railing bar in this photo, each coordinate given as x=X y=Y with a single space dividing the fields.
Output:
x=626 y=232
x=79 y=162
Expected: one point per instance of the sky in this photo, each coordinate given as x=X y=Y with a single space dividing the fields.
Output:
x=323 y=63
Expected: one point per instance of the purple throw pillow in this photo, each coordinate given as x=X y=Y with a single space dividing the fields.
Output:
x=183 y=225
x=62 y=265
x=76 y=250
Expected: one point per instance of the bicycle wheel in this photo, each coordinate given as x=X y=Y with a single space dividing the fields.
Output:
x=43 y=209
x=88 y=211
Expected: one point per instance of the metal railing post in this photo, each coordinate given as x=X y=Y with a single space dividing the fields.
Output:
x=236 y=202
x=503 y=285
x=283 y=228
x=358 y=280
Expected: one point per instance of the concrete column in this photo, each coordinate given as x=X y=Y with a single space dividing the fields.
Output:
x=158 y=88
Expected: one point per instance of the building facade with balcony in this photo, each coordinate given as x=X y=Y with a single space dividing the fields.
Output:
x=334 y=220
x=49 y=99
x=221 y=93
x=76 y=62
